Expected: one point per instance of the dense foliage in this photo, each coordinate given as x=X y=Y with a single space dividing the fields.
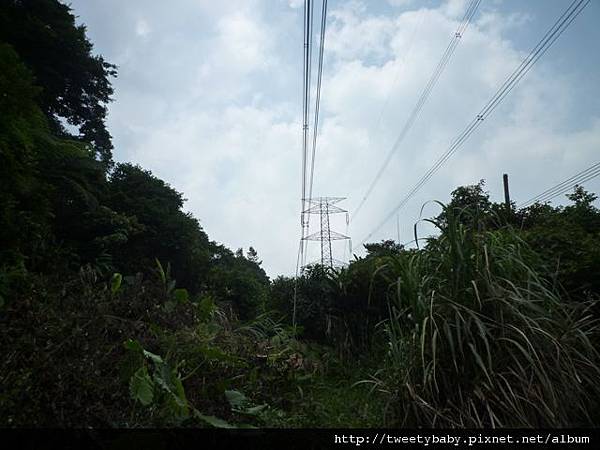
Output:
x=76 y=85
x=116 y=309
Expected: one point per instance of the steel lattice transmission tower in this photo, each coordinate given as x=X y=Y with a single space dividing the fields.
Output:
x=324 y=206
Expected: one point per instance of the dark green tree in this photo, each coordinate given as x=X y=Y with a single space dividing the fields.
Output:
x=24 y=208
x=167 y=233
x=471 y=204
x=252 y=255
x=75 y=83
x=238 y=281
x=387 y=247
x=568 y=239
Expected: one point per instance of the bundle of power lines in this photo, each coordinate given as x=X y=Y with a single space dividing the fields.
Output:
x=564 y=186
x=435 y=76
x=308 y=176
x=536 y=53
x=306 y=110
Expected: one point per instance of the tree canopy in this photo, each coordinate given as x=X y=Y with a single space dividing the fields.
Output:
x=76 y=83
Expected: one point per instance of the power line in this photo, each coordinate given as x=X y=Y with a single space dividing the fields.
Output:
x=536 y=53
x=306 y=94
x=318 y=94
x=566 y=183
x=472 y=8
x=308 y=20
x=296 y=284
x=317 y=101
x=564 y=186
x=306 y=81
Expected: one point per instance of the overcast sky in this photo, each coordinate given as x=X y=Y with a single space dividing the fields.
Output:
x=208 y=97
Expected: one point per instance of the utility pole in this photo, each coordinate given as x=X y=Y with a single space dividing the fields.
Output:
x=506 y=192
x=324 y=206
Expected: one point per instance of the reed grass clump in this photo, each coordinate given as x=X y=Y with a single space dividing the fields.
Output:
x=478 y=337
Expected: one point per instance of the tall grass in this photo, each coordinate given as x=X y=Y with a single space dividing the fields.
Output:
x=478 y=338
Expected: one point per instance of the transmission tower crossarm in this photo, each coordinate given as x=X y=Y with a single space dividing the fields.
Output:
x=332 y=210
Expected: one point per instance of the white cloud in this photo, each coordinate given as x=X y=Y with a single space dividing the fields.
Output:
x=351 y=35
x=210 y=101
x=400 y=2
x=142 y=28
x=454 y=8
x=242 y=42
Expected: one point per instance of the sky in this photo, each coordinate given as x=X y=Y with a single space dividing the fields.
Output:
x=209 y=98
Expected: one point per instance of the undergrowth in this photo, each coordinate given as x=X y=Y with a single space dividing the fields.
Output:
x=135 y=352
